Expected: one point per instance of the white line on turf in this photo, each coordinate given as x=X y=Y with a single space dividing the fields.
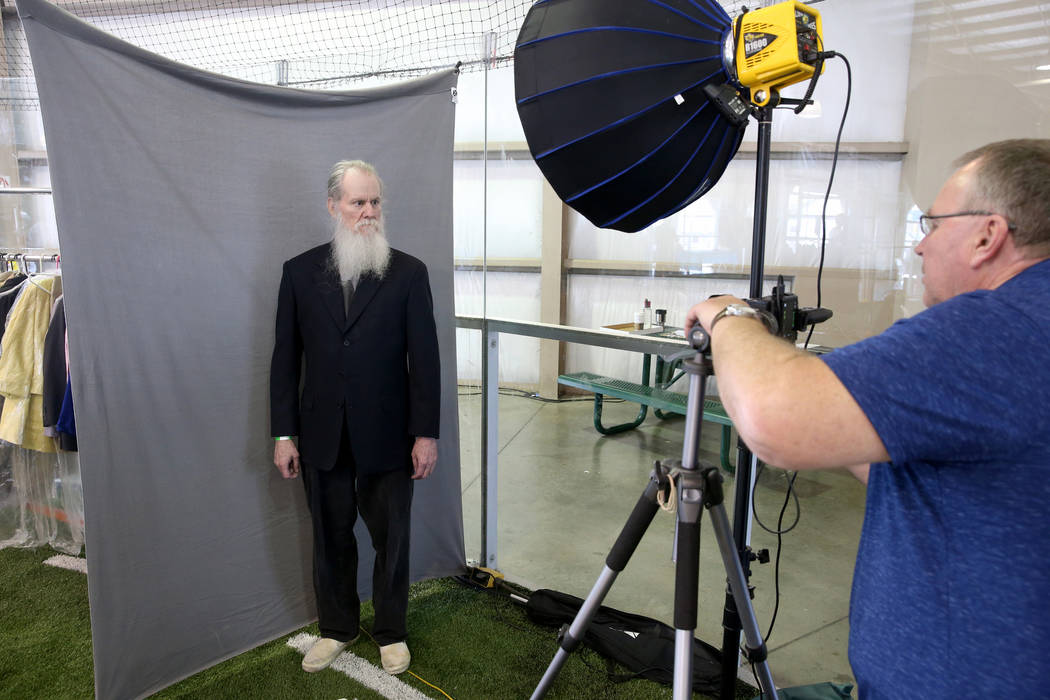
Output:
x=64 y=561
x=360 y=670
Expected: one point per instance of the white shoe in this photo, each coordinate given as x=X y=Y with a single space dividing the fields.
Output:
x=395 y=657
x=322 y=653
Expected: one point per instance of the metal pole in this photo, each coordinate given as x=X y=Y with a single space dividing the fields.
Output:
x=489 y=445
x=758 y=233
x=489 y=357
x=744 y=461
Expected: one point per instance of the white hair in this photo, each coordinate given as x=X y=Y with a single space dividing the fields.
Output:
x=335 y=177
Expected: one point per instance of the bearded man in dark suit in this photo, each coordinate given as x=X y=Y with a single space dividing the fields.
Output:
x=361 y=314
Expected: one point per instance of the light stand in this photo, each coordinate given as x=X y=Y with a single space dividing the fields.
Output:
x=744 y=467
x=696 y=487
x=790 y=319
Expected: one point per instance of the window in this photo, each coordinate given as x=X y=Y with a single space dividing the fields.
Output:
x=698 y=227
x=804 y=226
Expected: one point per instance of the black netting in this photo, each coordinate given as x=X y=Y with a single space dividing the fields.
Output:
x=329 y=44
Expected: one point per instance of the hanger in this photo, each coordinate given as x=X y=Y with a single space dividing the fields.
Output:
x=29 y=277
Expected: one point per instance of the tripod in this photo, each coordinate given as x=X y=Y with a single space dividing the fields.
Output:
x=696 y=487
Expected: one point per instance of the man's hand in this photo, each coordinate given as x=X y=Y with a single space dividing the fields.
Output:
x=286 y=458
x=424 y=457
x=759 y=375
x=706 y=310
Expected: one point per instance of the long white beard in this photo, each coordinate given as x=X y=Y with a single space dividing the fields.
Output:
x=360 y=251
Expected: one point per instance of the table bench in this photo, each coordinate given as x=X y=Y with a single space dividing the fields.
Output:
x=659 y=397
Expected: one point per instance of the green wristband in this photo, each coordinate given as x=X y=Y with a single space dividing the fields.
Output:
x=283 y=437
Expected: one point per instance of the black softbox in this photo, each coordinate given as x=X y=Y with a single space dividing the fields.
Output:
x=610 y=95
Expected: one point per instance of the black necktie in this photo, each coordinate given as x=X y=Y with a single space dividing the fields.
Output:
x=348 y=295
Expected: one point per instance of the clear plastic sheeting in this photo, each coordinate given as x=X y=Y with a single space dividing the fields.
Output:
x=41 y=500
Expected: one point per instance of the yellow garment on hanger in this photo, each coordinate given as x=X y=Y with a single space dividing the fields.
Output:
x=22 y=365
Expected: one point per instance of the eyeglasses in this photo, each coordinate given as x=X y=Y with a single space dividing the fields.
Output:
x=927 y=222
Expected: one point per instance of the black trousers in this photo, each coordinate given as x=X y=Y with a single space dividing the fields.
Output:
x=385 y=502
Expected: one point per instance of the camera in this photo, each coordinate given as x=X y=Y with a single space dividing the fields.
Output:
x=783 y=307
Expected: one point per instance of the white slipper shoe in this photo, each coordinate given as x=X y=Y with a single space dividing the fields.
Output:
x=395 y=657
x=323 y=653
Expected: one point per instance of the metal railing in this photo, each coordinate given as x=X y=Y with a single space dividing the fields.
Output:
x=491 y=328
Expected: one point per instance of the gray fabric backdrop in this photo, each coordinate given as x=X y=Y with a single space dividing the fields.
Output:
x=179 y=194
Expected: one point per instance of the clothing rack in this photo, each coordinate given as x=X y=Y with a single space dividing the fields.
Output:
x=10 y=260
x=25 y=190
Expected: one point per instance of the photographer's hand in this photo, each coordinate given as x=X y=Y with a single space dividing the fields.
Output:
x=706 y=310
x=786 y=404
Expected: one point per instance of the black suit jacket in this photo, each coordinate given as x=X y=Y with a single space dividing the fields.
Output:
x=376 y=368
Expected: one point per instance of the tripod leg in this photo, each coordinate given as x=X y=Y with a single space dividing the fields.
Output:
x=745 y=476
x=638 y=522
x=686 y=584
x=756 y=647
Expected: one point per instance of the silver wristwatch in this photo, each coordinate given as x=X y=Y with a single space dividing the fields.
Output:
x=744 y=310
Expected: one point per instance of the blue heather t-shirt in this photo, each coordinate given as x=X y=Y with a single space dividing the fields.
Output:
x=951 y=591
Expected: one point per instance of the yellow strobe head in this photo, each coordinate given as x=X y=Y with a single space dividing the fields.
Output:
x=774 y=47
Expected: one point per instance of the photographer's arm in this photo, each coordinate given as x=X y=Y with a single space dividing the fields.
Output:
x=860 y=471
x=789 y=407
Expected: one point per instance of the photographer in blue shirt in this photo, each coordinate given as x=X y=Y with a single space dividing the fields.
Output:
x=947 y=415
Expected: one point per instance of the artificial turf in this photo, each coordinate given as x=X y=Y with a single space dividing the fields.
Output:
x=45 y=634
x=470 y=643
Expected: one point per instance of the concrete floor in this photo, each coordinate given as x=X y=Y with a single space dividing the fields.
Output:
x=565 y=492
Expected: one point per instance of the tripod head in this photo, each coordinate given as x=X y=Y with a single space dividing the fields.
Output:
x=698 y=339
x=700 y=344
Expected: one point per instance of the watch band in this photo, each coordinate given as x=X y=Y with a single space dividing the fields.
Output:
x=718 y=317
x=742 y=311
